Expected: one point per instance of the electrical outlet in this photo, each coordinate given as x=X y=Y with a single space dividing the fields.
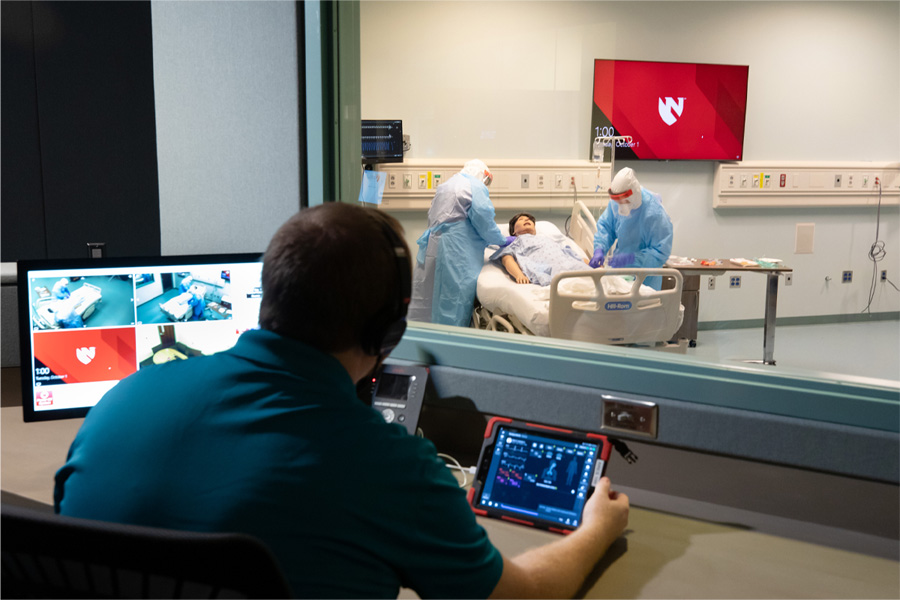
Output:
x=558 y=182
x=407 y=181
x=711 y=284
x=392 y=181
x=734 y=281
x=423 y=181
x=525 y=181
x=636 y=417
x=788 y=278
x=847 y=277
x=540 y=182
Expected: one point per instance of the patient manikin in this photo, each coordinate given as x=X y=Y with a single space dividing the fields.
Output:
x=451 y=251
x=532 y=258
x=636 y=220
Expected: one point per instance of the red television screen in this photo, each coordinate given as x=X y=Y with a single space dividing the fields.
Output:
x=673 y=111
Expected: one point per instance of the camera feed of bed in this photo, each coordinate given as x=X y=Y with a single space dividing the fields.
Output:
x=538 y=478
x=86 y=327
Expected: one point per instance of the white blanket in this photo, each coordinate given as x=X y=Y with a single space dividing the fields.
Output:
x=531 y=303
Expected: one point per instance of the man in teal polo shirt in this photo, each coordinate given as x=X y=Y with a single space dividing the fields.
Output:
x=269 y=438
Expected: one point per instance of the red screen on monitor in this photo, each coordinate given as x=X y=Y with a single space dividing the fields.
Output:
x=672 y=111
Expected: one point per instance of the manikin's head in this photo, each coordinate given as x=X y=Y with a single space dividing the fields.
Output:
x=522 y=223
x=625 y=191
x=479 y=171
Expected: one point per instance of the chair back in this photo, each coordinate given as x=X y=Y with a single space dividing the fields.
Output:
x=52 y=556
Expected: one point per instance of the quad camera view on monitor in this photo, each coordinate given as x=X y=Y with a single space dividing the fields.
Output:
x=87 y=324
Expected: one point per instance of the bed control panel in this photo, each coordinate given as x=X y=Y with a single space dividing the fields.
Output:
x=397 y=392
x=637 y=417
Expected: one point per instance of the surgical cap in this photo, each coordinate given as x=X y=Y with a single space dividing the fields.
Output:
x=479 y=171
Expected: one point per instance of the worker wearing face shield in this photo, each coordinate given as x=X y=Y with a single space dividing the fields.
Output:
x=451 y=251
x=636 y=220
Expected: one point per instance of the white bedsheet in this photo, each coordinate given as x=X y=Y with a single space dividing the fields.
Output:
x=530 y=303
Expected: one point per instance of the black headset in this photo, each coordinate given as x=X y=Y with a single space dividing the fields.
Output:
x=383 y=332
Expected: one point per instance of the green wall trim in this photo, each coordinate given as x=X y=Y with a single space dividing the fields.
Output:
x=813 y=320
x=855 y=401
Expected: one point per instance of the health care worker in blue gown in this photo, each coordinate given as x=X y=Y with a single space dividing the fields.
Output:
x=451 y=251
x=637 y=220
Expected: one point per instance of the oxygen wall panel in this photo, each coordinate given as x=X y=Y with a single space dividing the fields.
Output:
x=775 y=184
x=517 y=184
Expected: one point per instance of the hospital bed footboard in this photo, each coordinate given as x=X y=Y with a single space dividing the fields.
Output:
x=582 y=310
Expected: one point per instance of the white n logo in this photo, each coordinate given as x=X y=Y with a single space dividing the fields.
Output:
x=666 y=108
x=86 y=355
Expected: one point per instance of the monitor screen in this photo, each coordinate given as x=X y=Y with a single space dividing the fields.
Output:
x=671 y=110
x=382 y=141
x=86 y=324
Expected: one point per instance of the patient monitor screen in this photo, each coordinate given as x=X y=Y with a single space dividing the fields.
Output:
x=87 y=324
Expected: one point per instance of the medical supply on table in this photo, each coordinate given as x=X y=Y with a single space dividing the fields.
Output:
x=745 y=262
x=680 y=261
x=710 y=263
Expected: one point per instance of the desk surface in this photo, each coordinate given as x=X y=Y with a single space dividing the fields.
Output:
x=660 y=556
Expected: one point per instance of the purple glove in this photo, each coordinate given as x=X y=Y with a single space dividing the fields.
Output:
x=621 y=260
x=509 y=240
x=597 y=258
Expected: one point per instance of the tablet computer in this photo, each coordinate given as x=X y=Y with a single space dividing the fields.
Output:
x=537 y=475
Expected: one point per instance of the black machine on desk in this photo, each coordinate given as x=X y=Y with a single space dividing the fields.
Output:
x=397 y=392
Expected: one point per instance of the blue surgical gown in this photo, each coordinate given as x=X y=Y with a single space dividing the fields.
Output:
x=647 y=232
x=451 y=252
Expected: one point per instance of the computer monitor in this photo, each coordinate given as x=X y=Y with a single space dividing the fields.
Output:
x=382 y=141
x=85 y=324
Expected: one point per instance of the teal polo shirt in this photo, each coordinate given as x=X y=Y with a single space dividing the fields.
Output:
x=269 y=438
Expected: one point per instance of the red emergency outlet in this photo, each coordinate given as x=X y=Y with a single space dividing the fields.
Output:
x=783 y=180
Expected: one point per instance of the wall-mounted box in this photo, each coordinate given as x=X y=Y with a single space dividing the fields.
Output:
x=550 y=183
x=782 y=184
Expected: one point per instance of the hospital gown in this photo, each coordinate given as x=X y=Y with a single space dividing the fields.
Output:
x=451 y=252
x=540 y=257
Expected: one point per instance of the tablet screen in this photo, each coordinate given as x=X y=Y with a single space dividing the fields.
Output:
x=537 y=476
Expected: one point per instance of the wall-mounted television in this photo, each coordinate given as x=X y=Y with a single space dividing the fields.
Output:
x=85 y=324
x=672 y=111
x=382 y=141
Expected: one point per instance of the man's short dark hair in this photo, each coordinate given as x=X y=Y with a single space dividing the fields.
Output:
x=327 y=271
x=512 y=222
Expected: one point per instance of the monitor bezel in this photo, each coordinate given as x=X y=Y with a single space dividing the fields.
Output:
x=23 y=294
x=369 y=159
x=674 y=62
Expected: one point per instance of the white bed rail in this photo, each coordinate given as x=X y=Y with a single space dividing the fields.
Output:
x=583 y=310
x=582 y=227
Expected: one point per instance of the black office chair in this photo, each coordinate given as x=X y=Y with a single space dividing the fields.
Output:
x=51 y=556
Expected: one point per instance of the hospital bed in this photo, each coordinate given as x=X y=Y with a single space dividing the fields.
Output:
x=177 y=308
x=84 y=300
x=608 y=306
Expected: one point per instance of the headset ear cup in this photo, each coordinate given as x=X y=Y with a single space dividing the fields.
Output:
x=384 y=331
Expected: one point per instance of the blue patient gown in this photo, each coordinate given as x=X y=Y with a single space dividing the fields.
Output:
x=451 y=252
x=647 y=232
x=540 y=257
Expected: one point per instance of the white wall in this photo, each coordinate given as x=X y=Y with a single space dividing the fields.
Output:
x=513 y=80
x=225 y=76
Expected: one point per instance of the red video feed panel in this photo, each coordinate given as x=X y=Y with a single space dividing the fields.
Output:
x=84 y=355
x=671 y=110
